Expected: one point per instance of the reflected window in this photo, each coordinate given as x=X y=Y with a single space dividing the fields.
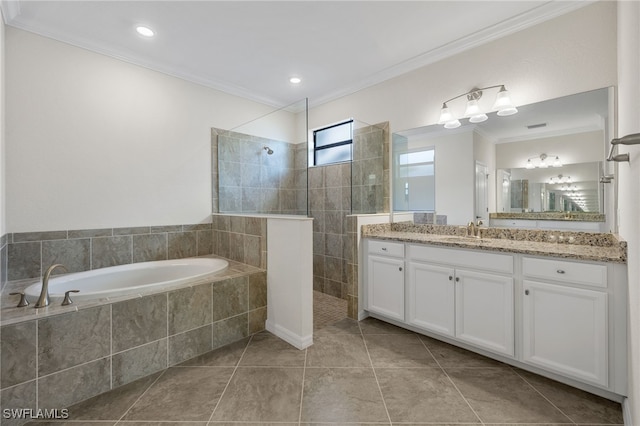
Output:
x=333 y=144
x=415 y=180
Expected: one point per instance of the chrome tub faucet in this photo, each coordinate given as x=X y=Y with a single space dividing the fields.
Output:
x=43 y=300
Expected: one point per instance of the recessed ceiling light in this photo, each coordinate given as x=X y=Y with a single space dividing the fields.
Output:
x=145 y=31
x=295 y=80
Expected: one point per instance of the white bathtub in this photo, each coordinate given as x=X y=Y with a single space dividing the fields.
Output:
x=134 y=278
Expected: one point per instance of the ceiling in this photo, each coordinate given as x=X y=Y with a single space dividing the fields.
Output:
x=252 y=48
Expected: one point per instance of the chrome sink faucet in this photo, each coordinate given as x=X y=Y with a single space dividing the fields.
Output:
x=473 y=229
x=43 y=300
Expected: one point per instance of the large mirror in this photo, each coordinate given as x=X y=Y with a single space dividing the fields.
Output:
x=545 y=162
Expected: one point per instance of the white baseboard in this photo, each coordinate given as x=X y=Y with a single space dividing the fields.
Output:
x=300 y=342
x=626 y=412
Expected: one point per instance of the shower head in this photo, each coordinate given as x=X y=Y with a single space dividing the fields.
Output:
x=269 y=150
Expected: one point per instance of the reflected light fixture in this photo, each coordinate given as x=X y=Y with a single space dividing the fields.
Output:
x=543 y=163
x=503 y=104
x=295 y=80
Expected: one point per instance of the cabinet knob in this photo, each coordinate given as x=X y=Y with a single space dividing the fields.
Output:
x=457 y=279
x=560 y=271
x=400 y=268
x=450 y=278
x=384 y=249
x=526 y=292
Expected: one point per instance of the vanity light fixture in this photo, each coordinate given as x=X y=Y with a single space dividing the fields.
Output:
x=295 y=80
x=559 y=179
x=503 y=104
x=543 y=163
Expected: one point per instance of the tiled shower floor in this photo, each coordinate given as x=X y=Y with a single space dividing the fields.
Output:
x=355 y=372
x=327 y=309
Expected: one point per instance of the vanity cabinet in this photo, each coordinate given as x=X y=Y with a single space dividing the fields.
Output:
x=385 y=272
x=473 y=306
x=563 y=318
x=565 y=312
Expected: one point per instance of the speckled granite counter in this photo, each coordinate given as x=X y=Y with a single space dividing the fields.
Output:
x=598 y=247
x=573 y=216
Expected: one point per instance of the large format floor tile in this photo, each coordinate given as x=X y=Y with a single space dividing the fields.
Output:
x=266 y=349
x=341 y=395
x=262 y=394
x=579 y=406
x=499 y=395
x=421 y=395
x=182 y=393
x=338 y=350
x=366 y=373
x=398 y=350
x=114 y=404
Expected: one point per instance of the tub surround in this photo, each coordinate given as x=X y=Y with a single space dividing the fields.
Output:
x=599 y=247
x=30 y=253
x=58 y=355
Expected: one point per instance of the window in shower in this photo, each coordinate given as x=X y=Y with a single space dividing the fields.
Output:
x=333 y=144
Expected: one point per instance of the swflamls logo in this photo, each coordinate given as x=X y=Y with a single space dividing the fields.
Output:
x=40 y=414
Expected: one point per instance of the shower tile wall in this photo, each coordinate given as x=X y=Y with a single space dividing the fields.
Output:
x=336 y=191
x=371 y=169
x=3 y=260
x=329 y=204
x=249 y=180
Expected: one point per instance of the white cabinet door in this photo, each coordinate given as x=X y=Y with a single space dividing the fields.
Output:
x=565 y=331
x=385 y=286
x=484 y=311
x=431 y=298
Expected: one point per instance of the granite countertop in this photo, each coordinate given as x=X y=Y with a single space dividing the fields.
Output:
x=598 y=247
x=567 y=217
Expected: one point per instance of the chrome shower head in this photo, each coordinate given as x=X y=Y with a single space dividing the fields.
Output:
x=269 y=150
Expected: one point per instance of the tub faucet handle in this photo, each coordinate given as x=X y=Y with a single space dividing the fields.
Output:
x=23 y=299
x=67 y=299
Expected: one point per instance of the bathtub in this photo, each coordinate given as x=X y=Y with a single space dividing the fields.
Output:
x=114 y=281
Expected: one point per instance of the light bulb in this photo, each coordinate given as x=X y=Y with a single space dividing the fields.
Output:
x=529 y=164
x=557 y=162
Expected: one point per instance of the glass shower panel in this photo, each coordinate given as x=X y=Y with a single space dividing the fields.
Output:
x=262 y=165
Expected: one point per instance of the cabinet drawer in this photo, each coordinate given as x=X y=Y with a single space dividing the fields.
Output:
x=563 y=271
x=502 y=263
x=386 y=248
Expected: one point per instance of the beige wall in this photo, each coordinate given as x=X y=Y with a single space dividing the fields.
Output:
x=569 y=54
x=573 y=53
x=95 y=142
x=629 y=182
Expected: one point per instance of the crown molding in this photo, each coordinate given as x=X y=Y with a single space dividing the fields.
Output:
x=510 y=26
x=10 y=10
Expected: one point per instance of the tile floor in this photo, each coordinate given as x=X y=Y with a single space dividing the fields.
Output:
x=327 y=309
x=355 y=372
